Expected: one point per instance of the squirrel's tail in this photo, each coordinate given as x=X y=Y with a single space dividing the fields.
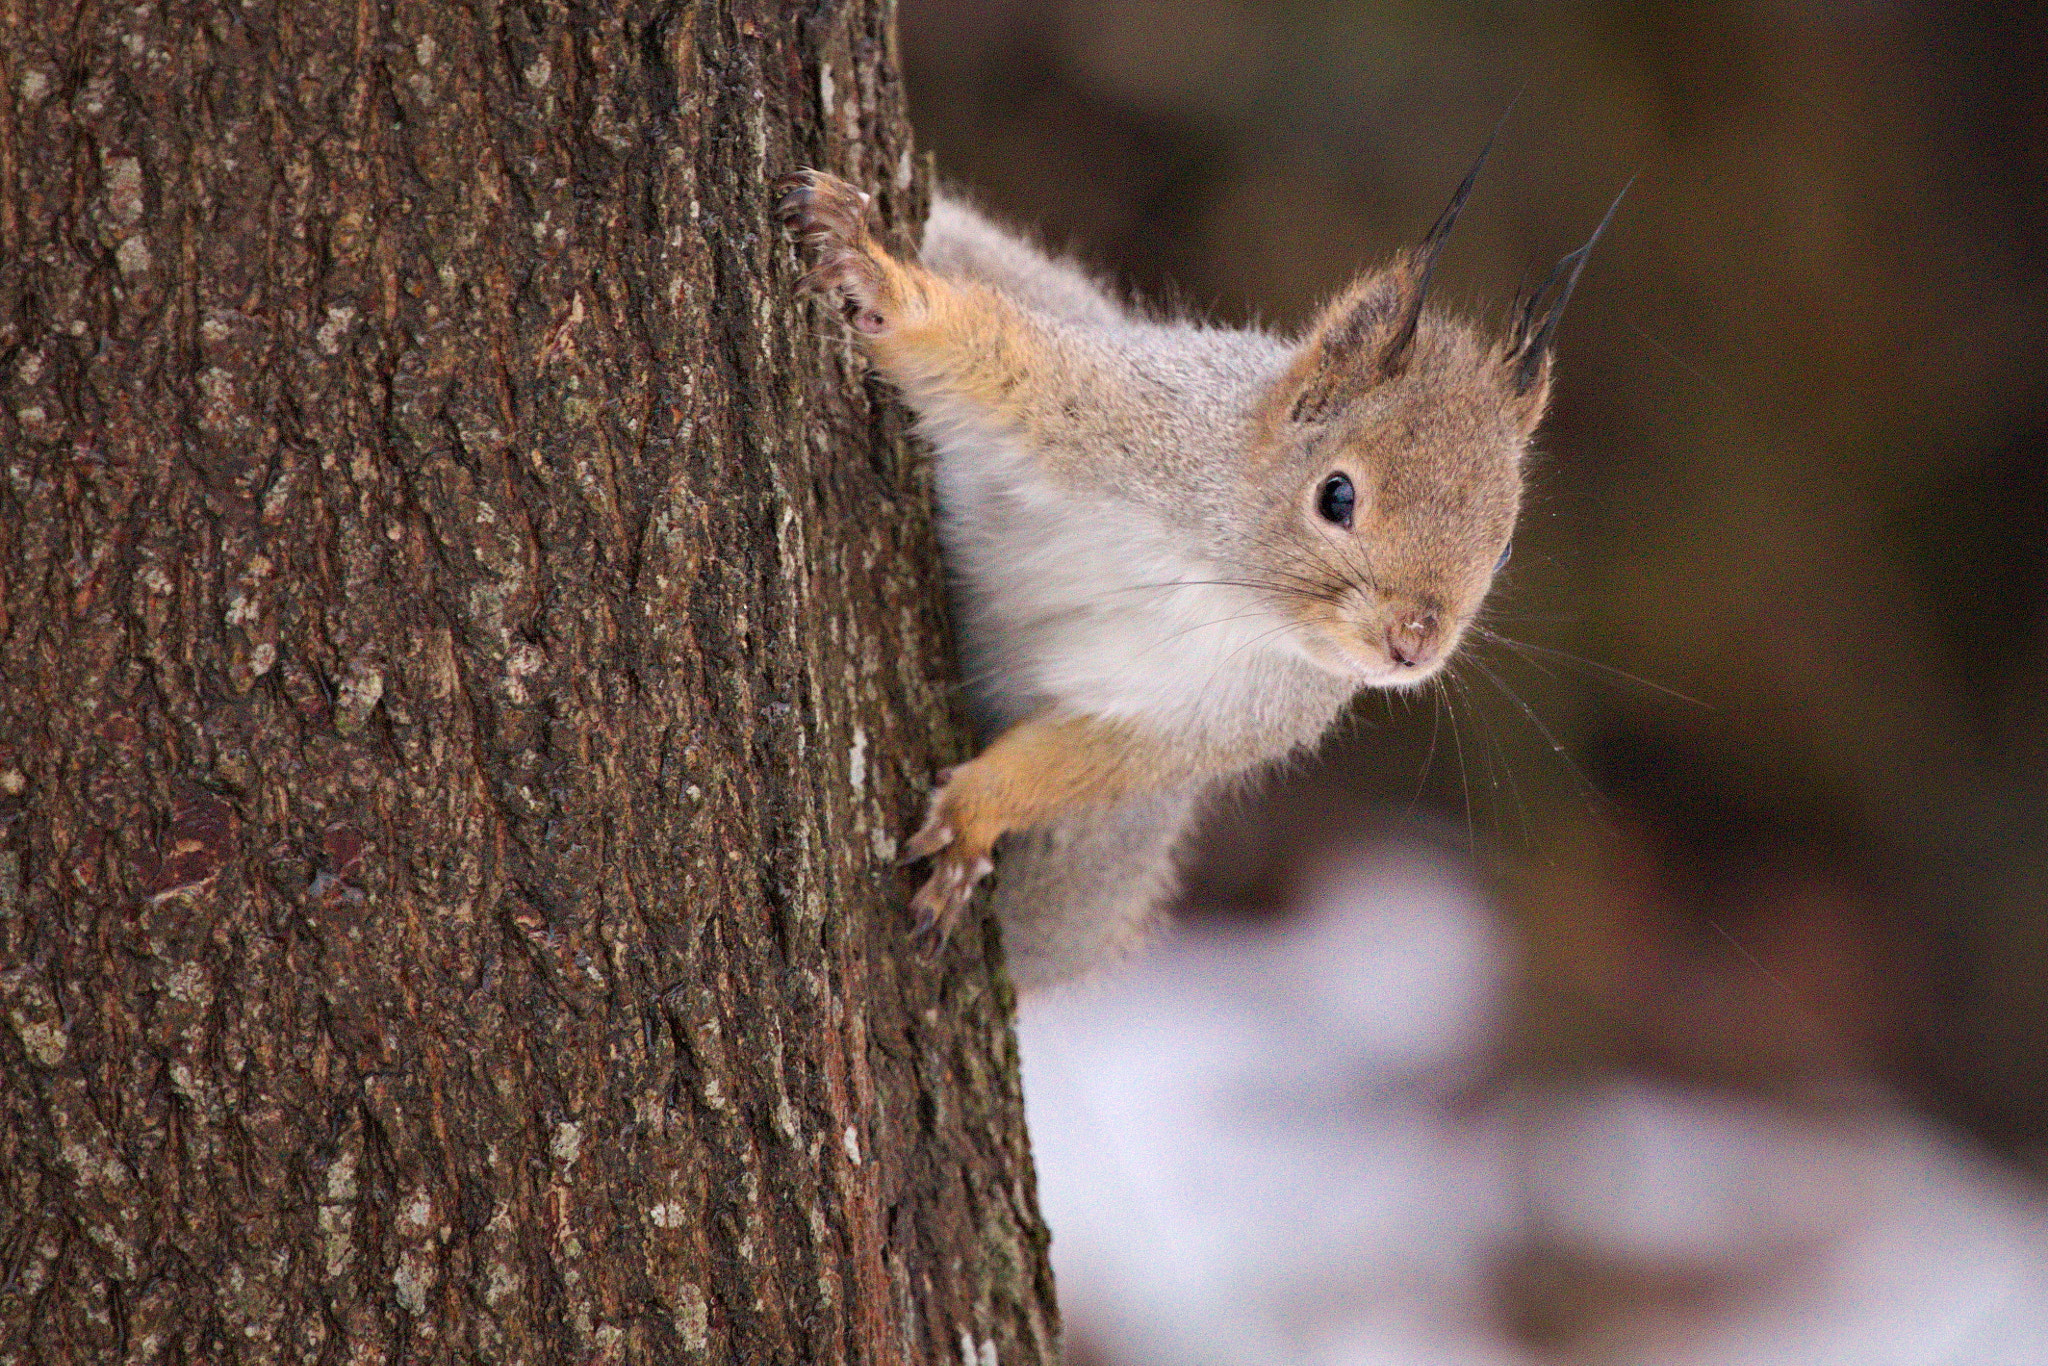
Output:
x=1078 y=894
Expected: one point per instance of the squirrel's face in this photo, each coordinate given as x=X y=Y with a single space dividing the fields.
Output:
x=1392 y=455
x=1392 y=449
x=1393 y=511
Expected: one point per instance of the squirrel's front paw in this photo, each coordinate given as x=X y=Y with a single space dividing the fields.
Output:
x=959 y=842
x=832 y=217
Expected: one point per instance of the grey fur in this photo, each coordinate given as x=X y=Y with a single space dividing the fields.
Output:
x=1086 y=890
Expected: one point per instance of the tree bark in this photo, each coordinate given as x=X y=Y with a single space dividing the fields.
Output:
x=468 y=642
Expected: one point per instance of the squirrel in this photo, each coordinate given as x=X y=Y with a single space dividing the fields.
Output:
x=1178 y=550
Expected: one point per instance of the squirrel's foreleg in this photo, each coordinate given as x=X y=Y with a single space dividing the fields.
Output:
x=945 y=343
x=1037 y=771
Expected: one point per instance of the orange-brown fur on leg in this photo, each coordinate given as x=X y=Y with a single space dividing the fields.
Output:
x=1037 y=771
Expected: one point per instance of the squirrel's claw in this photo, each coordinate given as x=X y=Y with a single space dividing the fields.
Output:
x=937 y=831
x=821 y=203
x=959 y=849
x=945 y=894
x=931 y=837
x=832 y=218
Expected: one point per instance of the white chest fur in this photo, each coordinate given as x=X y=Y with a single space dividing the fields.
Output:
x=1077 y=599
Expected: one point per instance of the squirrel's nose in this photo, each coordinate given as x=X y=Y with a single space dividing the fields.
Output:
x=1411 y=640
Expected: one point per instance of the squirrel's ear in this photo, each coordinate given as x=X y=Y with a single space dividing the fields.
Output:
x=1532 y=327
x=1367 y=334
x=1348 y=348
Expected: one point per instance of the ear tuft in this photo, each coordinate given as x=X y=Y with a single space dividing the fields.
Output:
x=1533 y=327
x=1368 y=334
x=1421 y=262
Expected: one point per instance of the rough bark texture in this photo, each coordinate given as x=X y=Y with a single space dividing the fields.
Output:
x=467 y=643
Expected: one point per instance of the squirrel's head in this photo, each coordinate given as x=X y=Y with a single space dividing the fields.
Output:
x=1393 y=448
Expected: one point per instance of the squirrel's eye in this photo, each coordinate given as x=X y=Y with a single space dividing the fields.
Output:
x=1337 y=501
x=1505 y=552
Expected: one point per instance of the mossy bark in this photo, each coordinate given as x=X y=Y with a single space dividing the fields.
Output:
x=468 y=641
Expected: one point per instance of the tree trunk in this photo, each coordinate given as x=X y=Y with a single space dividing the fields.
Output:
x=468 y=641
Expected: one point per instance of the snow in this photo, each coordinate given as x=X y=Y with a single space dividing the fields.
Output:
x=1262 y=1146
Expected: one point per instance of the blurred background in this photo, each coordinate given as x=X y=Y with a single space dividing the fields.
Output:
x=1671 y=984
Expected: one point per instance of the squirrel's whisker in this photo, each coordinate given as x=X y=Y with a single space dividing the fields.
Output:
x=1521 y=647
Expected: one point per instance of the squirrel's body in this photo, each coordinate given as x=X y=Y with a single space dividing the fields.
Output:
x=1177 y=550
